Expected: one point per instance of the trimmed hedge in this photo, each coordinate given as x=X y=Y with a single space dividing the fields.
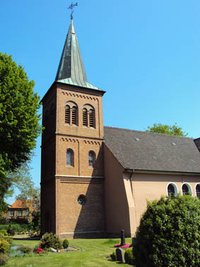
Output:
x=169 y=233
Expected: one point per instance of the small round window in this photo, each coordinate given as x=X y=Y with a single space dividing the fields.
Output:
x=82 y=199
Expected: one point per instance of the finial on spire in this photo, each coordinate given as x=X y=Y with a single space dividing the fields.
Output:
x=72 y=6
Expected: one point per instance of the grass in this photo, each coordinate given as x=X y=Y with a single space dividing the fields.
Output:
x=90 y=253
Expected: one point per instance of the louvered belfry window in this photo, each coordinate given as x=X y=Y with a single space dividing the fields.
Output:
x=89 y=116
x=85 y=117
x=67 y=114
x=92 y=117
x=74 y=116
x=71 y=113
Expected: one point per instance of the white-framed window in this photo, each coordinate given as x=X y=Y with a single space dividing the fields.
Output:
x=11 y=213
x=186 y=189
x=198 y=190
x=172 y=190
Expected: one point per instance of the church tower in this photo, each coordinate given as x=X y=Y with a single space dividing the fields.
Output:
x=72 y=176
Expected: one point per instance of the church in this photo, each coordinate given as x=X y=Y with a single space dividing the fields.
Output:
x=96 y=180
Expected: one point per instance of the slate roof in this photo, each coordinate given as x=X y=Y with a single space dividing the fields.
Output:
x=152 y=152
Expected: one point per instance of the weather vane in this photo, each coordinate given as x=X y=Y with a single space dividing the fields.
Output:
x=72 y=6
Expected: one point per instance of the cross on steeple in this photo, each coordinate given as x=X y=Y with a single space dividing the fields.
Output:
x=72 y=6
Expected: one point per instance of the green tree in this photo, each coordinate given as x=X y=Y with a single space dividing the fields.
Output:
x=166 y=129
x=19 y=119
x=169 y=233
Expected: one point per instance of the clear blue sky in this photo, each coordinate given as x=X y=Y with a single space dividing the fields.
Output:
x=144 y=53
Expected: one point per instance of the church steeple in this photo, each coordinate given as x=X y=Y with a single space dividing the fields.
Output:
x=71 y=69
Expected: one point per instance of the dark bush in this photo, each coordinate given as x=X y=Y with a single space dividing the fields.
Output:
x=169 y=233
x=113 y=256
x=3 y=259
x=65 y=243
x=128 y=256
x=50 y=240
x=11 y=231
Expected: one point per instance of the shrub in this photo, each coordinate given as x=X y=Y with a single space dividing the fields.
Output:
x=4 y=246
x=3 y=232
x=3 y=259
x=128 y=256
x=65 y=243
x=169 y=234
x=7 y=238
x=10 y=230
x=113 y=256
x=50 y=240
x=24 y=249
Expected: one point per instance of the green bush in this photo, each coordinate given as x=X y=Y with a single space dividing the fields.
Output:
x=24 y=249
x=50 y=240
x=113 y=256
x=128 y=256
x=7 y=238
x=3 y=259
x=169 y=233
x=65 y=243
x=17 y=228
x=3 y=232
x=4 y=246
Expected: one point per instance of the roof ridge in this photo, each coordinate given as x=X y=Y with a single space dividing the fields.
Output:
x=149 y=133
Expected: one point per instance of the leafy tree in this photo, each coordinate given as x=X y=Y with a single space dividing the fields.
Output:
x=169 y=233
x=167 y=129
x=19 y=120
x=21 y=179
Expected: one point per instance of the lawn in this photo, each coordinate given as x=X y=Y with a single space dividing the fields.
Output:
x=90 y=253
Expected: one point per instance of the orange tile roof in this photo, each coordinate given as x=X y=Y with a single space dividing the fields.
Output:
x=19 y=204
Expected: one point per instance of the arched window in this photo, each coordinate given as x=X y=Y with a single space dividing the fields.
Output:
x=172 y=190
x=71 y=113
x=198 y=190
x=91 y=158
x=89 y=116
x=70 y=157
x=186 y=189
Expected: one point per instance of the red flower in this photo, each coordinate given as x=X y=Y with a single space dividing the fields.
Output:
x=39 y=250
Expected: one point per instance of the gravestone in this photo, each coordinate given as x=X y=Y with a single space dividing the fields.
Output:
x=123 y=242
x=120 y=255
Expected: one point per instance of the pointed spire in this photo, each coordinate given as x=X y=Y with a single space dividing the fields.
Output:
x=71 y=69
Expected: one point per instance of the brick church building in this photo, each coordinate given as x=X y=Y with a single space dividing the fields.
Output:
x=96 y=180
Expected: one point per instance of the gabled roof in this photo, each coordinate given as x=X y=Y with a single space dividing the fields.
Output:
x=71 y=69
x=153 y=152
x=19 y=204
